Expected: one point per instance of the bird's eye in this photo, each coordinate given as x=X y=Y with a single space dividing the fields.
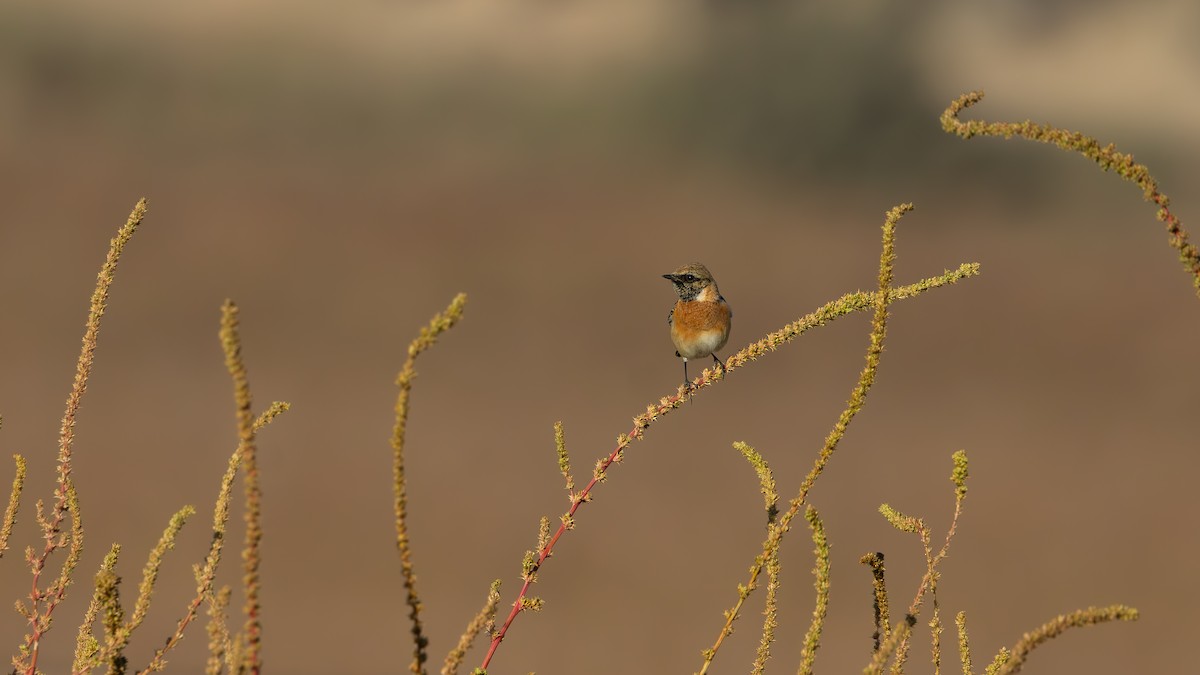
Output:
x=688 y=277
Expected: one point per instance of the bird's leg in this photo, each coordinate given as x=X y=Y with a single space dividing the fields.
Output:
x=720 y=363
x=686 y=382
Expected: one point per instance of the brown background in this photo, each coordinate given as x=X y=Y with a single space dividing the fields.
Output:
x=342 y=172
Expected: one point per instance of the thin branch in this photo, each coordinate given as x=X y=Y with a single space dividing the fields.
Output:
x=485 y=617
x=812 y=639
x=440 y=323
x=14 y=502
x=42 y=602
x=206 y=574
x=1059 y=625
x=879 y=303
x=231 y=343
x=1106 y=157
x=883 y=626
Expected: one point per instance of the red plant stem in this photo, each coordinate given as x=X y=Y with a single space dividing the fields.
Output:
x=35 y=595
x=548 y=550
x=846 y=304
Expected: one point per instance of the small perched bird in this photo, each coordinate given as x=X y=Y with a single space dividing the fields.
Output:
x=700 y=319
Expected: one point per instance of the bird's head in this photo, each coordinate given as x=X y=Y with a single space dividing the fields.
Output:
x=690 y=280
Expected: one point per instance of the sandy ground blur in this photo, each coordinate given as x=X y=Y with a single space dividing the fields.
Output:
x=342 y=173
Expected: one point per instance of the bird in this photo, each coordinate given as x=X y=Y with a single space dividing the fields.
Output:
x=700 y=319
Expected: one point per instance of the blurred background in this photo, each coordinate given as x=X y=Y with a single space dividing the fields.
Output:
x=342 y=170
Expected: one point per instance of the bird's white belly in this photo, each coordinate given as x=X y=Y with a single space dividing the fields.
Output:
x=703 y=344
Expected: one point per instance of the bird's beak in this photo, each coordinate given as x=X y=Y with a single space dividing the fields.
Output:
x=672 y=277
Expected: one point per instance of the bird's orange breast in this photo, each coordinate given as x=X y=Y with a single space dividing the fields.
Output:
x=699 y=328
